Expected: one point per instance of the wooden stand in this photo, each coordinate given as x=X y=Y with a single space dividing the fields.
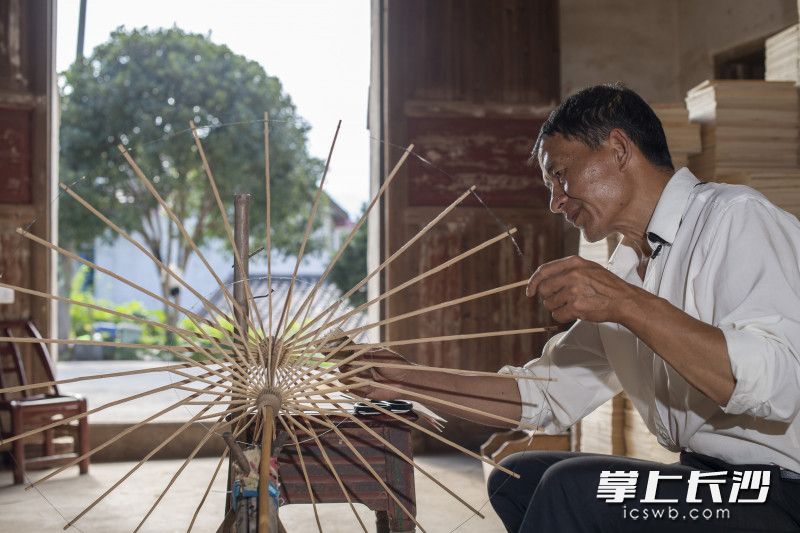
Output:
x=361 y=486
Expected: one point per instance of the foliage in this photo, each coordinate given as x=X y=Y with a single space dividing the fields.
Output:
x=83 y=319
x=141 y=89
x=352 y=266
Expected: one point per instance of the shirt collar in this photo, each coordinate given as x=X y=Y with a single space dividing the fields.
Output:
x=668 y=213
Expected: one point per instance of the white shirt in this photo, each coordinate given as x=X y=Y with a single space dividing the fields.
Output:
x=732 y=260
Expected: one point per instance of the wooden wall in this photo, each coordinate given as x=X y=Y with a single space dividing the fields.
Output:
x=469 y=83
x=26 y=163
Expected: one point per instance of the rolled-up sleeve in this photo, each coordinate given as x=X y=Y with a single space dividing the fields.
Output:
x=752 y=276
x=576 y=380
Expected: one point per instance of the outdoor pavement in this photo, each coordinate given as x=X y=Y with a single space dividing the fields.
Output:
x=67 y=494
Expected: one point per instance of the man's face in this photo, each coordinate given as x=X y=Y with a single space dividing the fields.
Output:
x=585 y=185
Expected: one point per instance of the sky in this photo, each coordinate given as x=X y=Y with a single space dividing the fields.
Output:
x=319 y=49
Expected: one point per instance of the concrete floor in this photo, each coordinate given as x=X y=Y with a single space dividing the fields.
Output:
x=68 y=494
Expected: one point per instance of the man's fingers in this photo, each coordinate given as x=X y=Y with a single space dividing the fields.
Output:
x=548 y=270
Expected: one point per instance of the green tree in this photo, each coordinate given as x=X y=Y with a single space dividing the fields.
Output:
x=352 y=266
x=141 y=89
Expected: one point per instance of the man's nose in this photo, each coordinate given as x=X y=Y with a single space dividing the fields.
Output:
x=558 y=200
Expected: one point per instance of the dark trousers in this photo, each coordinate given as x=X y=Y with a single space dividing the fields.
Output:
x=558 y=492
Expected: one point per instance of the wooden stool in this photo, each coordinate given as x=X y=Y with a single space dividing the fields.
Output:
x=362 y=487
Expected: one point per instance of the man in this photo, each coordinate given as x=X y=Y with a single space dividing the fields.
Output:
x=696 y=318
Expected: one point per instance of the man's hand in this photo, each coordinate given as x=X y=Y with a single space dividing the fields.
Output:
x=576 y=288
x=390 y=376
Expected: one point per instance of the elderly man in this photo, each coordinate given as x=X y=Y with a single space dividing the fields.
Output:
x=696 y=318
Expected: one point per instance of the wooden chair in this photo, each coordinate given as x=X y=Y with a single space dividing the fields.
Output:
x=30 y=409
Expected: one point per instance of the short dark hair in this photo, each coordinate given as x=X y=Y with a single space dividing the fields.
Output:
x=590 y=114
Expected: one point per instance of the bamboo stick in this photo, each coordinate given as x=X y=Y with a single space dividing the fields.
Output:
x=422 y=276
x=171 y=215
x=113 y=439
x=264 y=504
x=443 y=370
x=142 y=461
x=268 y=248
x=307 y=232
x=124 y=234
x=65 y=381
x=175 y=476
x=438 y=437
x=229 y=232
x=189 y=314
x=391 y=258
x=444 y=338
x=208 y=489
x=90 y=412
x=427 y=397
x=237 y=431
x=436 y=307
x=303 y=469
x=182 y=333
x=355 y=229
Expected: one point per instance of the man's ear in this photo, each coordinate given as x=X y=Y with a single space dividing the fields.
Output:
x=621 y=148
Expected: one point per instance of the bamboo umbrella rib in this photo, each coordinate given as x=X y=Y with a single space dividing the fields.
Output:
x=225 y=392
x=229 y=232
x=437 y=437
x=140 y=463
x=183 y=333
x=208 y=489
x=303 y=470
x=115 y=438
x=233 y=386
x=171 y=215
x=161 y=347
x=238 y=431
x=355 y=229
x=164 y=268
x=389 y=260
x=444 y=338
x=306 y=234
x=456 y=371
x=310 y=432
x=422 y=276
x=305 y=354
x=65 y=381
x=192 y=316
x=436 y=307
x=268 y=245
x=91 y=411
x=192 y=454
x=427 y=397
x=312 y=368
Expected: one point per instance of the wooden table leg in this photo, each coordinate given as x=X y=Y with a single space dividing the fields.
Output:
x=381 y=522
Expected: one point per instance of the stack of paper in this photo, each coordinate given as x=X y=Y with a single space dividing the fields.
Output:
x=683 y=137
x=747 y=127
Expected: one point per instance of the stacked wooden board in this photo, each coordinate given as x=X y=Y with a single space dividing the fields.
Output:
x=783 y=56
x=747 y=127
x=683 y=137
